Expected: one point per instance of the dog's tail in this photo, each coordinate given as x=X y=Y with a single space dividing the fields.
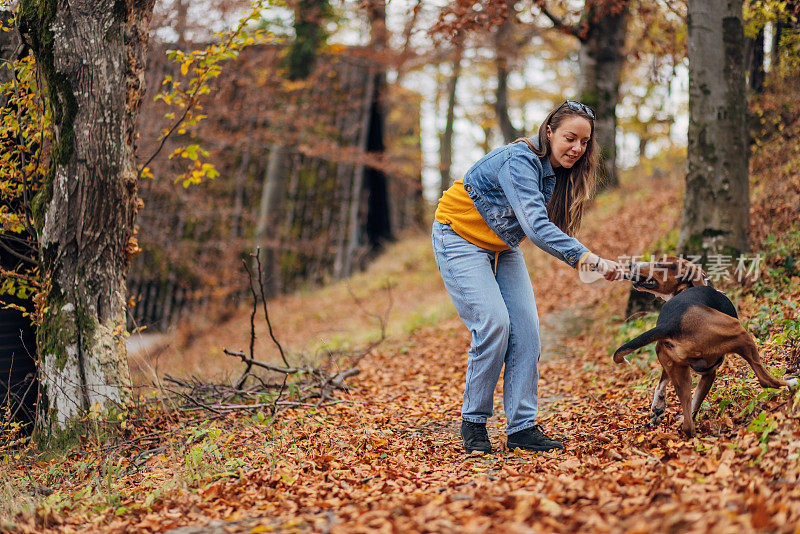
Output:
x=638 y=342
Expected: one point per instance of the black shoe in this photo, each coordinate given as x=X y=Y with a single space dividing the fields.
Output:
x=475 y=437
x=533 y=439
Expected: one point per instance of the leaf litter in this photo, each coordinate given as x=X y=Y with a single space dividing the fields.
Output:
x=387 y=457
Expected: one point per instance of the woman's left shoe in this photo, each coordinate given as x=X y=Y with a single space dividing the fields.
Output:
x=532 y=439
x=475 y=437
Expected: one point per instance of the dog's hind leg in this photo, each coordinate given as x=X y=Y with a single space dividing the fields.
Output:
x=721 y=334
x=702 y=389
x=659 y=400
x=746 y=348
x=683 y=387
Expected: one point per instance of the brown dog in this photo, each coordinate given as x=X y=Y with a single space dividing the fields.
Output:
x=696 y=328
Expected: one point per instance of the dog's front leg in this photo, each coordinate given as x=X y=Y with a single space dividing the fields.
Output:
x=659 y=405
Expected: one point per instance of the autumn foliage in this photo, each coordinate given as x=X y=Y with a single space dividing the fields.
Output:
x=387 y=456
x=384 y=455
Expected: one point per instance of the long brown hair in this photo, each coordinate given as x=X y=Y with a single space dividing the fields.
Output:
x=574 y=187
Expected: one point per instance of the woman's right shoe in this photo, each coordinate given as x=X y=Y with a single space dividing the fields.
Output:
x=475 y=437
x=532 y=439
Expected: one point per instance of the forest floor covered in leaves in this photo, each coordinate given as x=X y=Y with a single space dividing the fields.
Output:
x=385 y=455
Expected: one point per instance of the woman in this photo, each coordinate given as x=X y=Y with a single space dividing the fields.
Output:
x=535 y=188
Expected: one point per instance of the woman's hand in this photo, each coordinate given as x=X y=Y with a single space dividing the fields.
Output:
x=610 y=270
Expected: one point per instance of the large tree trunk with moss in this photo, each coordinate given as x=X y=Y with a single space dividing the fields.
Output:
x=716 y=209
x=91 y=55
x=601 y=58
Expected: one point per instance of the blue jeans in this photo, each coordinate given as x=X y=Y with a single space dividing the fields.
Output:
x=500 y=312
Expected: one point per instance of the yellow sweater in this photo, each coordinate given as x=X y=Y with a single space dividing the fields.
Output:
x=457 y=209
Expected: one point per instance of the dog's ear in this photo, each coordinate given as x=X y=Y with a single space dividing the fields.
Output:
x=694 y=275
x=704 y=280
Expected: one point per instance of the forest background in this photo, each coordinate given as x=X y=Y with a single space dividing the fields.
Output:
x=270 y=150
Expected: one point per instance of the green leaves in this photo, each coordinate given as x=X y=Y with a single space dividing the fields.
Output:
x=25 y=135
x=197 y=68
x=763 y=426
x=199 y=170
x=17 y=287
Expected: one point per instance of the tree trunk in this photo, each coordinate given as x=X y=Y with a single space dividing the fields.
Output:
x=377 y=225
x=91 y=54
x=378 y=32
x=501 y=103
x=504 y=50
x=355 y=230
x=755 y=59
x=237 y=223
x=310 y=17
x=9 y=44
x=181 y=22
x=601 y=58
x=378 y=221
x=407 y=51
x=485 y=144
x=641 y=302
x=716 y=210
x=446 y=139
x=272 y=196
x=775 y=52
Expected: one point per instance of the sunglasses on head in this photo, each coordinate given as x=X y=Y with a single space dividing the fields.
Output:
x=574 y=105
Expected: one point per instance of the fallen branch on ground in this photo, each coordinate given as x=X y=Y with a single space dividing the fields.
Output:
x=284 y=387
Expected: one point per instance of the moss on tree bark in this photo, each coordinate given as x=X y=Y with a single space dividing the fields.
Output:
x=716 y=212
x=90 y=57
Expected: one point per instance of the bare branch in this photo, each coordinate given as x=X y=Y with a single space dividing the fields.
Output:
x=559 y=23
x=243 y=378
x=264 y=365
x=264 y=303
x=675 y=8
x=17 y=254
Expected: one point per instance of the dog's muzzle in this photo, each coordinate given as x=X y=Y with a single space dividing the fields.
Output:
x=633 y=272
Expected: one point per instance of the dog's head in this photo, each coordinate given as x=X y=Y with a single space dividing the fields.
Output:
x=666 y=278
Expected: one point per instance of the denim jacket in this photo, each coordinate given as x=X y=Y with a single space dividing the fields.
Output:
x=510 y=187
